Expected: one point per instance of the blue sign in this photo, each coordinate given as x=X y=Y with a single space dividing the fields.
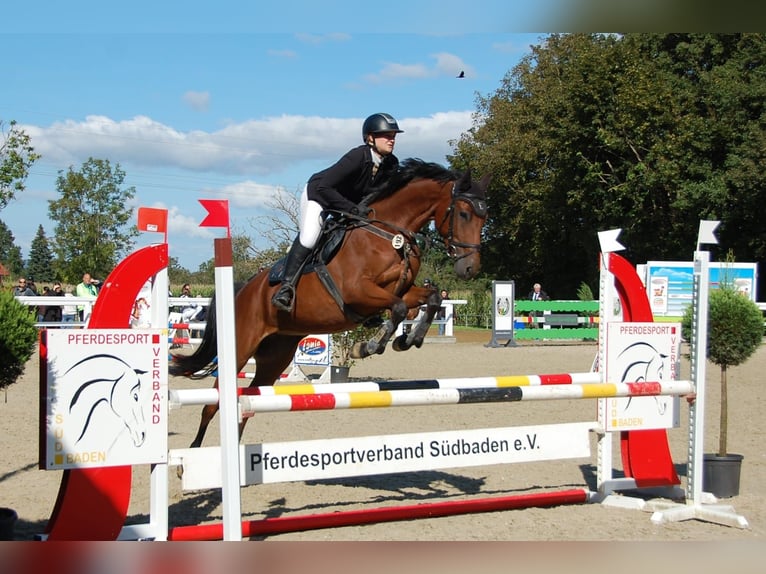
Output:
x=669 y=284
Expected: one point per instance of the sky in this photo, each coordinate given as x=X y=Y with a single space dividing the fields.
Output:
x=237 y=115
x=245 y=100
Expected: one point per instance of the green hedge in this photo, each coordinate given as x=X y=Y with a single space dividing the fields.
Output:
x=18 y=337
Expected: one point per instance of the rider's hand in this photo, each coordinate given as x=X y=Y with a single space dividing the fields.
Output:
x=360 y=211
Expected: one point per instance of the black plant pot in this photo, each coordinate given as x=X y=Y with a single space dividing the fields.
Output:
x=339 y=374
x=720 y=474
x=8 y=519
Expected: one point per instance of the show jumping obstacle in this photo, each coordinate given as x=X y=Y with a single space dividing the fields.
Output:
x=646 y=457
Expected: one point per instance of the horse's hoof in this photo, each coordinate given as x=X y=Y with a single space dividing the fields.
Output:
x=358 y=351
x=180 y=471
x=400 y=343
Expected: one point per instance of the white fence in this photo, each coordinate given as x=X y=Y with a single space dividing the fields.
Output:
x=180 y=302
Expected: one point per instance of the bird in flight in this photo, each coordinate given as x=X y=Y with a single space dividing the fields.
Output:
x=461 y=74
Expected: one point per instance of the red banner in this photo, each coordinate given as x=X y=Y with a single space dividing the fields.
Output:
x=218 y=213
x=152 y=219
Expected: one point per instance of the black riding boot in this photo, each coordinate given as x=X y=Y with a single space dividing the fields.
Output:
x=283 y=298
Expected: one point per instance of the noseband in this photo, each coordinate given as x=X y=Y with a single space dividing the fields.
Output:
x=479 y=206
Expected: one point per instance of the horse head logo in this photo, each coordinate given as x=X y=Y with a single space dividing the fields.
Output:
x=643 y=363
x=107 y=380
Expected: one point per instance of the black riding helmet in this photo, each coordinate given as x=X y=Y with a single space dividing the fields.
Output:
x=378 y=123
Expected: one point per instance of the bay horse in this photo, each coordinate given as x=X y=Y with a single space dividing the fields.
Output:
x=373 y=271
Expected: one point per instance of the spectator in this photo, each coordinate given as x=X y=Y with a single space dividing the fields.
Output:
x=41 y=309
x=68 y=312
x=140 y=317
x=193 y=312
x=188 y=311
x=31 y=284
x=441 y=314
x=537 y=294
x=85 y=289
x=53 y=313
x=22 y=289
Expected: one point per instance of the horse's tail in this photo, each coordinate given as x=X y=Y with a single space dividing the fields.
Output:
x=201 y=363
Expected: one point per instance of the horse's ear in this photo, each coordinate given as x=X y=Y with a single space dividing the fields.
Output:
x=464 y=182
x=484 y=183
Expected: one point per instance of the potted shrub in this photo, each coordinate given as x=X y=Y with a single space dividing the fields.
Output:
x=342 y=344
x=18 y=337
x=735 y=330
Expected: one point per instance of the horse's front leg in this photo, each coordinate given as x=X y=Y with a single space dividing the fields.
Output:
x=377 y=344
x=419 y=331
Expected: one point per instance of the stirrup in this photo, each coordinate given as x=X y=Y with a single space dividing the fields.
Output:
x=285 y=291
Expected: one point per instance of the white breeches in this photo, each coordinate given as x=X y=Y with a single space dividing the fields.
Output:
x=310 y=221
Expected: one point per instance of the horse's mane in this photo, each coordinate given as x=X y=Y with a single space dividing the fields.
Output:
x=408 y=171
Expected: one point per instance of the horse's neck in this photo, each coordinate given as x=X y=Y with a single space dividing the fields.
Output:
x=409 y=208
x=92 y=394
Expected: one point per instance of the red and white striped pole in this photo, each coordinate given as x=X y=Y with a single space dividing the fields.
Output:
x=218 y=216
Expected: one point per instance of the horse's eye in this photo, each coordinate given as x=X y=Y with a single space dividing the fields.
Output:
x=465 y=215
x=135 y=397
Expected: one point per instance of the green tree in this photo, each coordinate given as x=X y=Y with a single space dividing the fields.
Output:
x=205 y=273
x=16 y=158
x=10 y=253
x=40 y=262
x=177 y=274
x=18 y=337
x=735 y=331
x=645 y=132
x=93 y=231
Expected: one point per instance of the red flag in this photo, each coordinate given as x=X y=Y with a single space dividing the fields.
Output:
x=152 y=219
x=218 y=213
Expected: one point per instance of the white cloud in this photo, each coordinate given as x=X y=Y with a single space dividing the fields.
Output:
x=451 y=65
x=198 y=101
x=446 y=64
x=393 y=71
x=247 y=163
x=250 y=194
x=256 y=148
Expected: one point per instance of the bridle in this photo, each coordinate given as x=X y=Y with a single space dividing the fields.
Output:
x=479 y=206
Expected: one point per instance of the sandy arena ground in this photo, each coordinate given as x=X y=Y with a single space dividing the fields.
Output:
x=32 y=492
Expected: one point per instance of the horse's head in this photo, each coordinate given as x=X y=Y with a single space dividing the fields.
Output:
x=108 y=379
x=126 y=403
x=641 y=362
x=462 y=222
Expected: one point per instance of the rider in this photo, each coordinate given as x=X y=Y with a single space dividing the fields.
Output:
x=340 y=187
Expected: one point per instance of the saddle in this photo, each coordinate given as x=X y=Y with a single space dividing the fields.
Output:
x=334 y=229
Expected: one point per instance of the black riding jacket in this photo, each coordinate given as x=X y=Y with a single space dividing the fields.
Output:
x=345 y=183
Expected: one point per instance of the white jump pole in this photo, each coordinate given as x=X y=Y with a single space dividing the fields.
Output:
x=227 y=385
x=698 y=503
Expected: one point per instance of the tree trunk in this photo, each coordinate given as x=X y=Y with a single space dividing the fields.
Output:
x=723 y=428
